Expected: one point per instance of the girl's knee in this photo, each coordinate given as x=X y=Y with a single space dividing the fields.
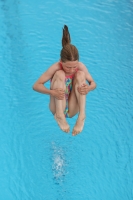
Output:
x=58 y=80
x=79 y=76
x=60 y=74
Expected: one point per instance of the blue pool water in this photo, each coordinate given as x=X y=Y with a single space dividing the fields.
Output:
x=37 y=160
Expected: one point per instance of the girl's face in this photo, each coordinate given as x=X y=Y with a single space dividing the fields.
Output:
x=70 y=66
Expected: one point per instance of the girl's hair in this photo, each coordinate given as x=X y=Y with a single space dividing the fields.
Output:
x=69 y=52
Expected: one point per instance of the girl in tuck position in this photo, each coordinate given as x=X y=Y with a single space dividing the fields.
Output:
x=70 y=83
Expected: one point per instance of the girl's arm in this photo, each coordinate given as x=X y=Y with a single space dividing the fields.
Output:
x=92 y=84
x=46 y=76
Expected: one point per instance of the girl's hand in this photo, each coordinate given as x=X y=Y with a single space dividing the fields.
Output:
x=83 y=89
x=58 y=93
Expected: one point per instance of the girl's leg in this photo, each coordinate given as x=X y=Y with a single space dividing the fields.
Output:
x=57 y=107
x=77 y=102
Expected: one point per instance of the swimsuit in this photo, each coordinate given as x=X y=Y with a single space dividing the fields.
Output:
x=68 y=83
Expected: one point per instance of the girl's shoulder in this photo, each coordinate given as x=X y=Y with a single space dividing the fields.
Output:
x=54 y=67
x=51 y=70
x=81 y=66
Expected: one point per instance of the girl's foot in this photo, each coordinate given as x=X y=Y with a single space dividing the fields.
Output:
x=61 y=120
x=79 y=125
